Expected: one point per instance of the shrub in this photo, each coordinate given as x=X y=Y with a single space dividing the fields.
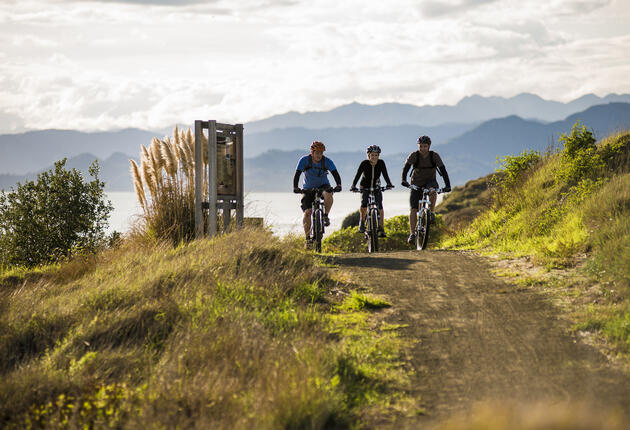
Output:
x=513 y=168
x=351 y=220
x=54 y=217
x=580 y=156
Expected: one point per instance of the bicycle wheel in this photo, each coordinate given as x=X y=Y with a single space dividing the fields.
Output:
x=318 y=230
x=373 y=232
x=422 y=230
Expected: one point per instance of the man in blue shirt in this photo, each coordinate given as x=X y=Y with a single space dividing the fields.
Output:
x=315 y=167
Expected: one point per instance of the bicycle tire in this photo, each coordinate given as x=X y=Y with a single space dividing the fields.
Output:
x=373 y=232
x=422 y=230
x=318 y=230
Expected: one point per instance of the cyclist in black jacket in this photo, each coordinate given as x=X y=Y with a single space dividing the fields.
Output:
x=371 y=169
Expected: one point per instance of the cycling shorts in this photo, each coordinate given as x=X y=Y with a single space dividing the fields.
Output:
x=378 y=195
x=307 y=198
x=416 y=195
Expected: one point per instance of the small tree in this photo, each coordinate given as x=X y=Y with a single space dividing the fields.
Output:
x=51 y=218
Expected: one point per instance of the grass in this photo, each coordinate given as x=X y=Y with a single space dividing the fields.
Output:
x=567 y=210
x=194 y=336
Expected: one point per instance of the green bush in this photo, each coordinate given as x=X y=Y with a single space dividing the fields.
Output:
x=351 y=220
x=581 y=159
x=54 y=217
x=512 y=169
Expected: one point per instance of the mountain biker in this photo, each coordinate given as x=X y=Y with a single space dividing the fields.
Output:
x=371 y=169
x=315 y=167
x=424 y=163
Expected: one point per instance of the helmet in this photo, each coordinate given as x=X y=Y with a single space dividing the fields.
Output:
x=424 y=139
x=318 y=146
x=374 y=148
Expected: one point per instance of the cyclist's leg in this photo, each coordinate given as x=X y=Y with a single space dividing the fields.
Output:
x=306 y=221
x=328 y=201
x=433 y=194
x=362 y=215
x=414 y=199
x=307 y=201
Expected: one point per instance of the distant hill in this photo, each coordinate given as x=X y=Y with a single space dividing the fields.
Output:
x=34 y=150
x=470 y=155
x=391 y=139
x=469 y=110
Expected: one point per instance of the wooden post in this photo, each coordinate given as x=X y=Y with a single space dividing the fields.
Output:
x=227 y=206
x=212 y=177
x=198 y=179
x=240 y=198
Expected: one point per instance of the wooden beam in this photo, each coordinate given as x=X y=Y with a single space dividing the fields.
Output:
x=198 y=179
x=212 y=179
x=240 y=197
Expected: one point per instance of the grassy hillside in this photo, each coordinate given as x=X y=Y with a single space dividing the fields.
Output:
x=245 y=331
x=569 y=209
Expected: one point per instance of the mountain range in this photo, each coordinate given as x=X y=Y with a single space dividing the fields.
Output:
x=468 y=149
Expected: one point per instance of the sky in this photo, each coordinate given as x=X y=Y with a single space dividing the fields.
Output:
x=106 y=64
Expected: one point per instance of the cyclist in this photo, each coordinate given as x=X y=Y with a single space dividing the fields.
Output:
x=315 y=167
x=371 y=169
x=424 y=163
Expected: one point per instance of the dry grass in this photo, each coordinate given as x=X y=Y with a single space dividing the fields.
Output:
x=225 y=333
x=164 y=184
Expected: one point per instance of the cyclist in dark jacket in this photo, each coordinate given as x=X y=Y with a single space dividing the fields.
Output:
x=371 y=169
x=315 y=167
x=424 y=163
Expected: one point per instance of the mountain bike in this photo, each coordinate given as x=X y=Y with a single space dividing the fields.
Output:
x=424 y=216
x=372 y=219
x=317 y=215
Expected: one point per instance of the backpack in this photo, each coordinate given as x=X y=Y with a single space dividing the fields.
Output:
x=431 y=156
x=310 y=164
x=433 y=163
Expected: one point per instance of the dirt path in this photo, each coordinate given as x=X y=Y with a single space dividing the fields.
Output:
x=479 y=338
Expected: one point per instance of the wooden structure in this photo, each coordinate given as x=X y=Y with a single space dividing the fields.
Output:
x=224 y=175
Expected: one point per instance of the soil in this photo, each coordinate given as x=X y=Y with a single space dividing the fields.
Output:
x=478 y=338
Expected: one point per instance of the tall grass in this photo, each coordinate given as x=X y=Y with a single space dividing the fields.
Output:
x=165 y=186
x=234 y=332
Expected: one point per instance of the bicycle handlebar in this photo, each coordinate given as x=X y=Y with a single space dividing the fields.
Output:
x=315 y=190
x=426 y=189
x=359 y=190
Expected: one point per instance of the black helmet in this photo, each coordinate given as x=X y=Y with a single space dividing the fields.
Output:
x=424 y=139
x=374 y=148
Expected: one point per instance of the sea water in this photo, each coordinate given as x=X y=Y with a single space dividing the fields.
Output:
x=280 y=210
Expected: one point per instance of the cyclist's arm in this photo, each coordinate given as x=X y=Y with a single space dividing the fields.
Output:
x=386 y=176
x=444 y=174
x=357 y=176
x=405 y=171
x=335 y=174
x=296 y=178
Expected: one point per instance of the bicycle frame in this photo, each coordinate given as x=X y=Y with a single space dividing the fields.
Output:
x=373 y=220
x=424 y=214
x=317 y=216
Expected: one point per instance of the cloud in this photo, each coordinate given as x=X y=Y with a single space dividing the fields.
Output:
x=435 y=9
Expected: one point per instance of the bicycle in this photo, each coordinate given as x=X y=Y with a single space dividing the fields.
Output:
x=317 y=215
x=373 y=219
x=424 y=216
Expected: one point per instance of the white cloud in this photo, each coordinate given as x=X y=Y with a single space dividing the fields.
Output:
x=79 y=64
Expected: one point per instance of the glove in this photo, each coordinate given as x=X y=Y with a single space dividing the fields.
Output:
x=446 y=189
x=297 y=190
x=389 y=186
x=405 y=184
x=354 y=189
x=337 y=188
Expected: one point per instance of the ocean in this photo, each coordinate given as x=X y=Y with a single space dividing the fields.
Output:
x=280 y=210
